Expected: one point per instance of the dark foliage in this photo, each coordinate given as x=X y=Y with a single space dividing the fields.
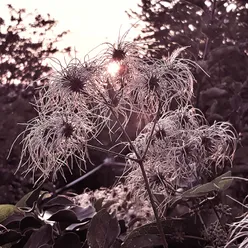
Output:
x=202 y=25
x=216 y=35
x=27 y=225
x=41 y=219
x=23 y=47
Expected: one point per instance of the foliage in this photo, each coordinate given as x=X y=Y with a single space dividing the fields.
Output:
x=215 y=34
x=176 y=160
x=45 y=220
x=25 y=46
x=201 y=25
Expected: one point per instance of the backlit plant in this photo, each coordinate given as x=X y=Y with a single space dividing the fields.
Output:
x=174 y=150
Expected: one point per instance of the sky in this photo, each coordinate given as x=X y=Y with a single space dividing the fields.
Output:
x=90 y=22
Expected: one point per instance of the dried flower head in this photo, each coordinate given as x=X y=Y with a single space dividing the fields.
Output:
x=54 y=142
x=72 y=86
x=169 y=83
x=239 y=232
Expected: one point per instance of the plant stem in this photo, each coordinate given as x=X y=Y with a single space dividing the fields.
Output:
x=152 y=131
x=140 y=162
x=160 y=227
x=110 y=152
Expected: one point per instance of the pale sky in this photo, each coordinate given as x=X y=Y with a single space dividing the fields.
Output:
x=91 y=22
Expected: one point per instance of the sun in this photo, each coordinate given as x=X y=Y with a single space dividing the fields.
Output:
x=113 y=68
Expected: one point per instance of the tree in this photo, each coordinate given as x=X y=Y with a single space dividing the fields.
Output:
x=24 y=46
x=202 y=25
x=215 y=32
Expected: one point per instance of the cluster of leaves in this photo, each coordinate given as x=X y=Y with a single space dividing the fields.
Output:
x=42 y=220
x=22 y=57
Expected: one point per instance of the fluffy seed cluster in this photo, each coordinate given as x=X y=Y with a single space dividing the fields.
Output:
x=179 y=151
x=84 y=98
x=239 y=232
x=54 y=141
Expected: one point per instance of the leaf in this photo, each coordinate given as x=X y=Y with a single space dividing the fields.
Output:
x=78 y=226
x=84 y=213
x=146 y=235
x=58 y=201
x=117 y=244
x=8 y=236
x=200 y=190
x=98 y=204
x=103 y=230
x=7 y=210
x=29 y=199
x=29 y=222
x=223 y=182
x=68 y=240
x=142 y=240
x=73 y=215
x=220 y=183
x=41 y=237
x=13 y=221
x=64 y=215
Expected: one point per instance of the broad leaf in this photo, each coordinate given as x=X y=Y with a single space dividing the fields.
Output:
x=58 y=201
x=7 y=210
x=220 y=183
x=29 y=222
x=29 y=199
x=8 y=236
x=103 y=230
x=68 y=240
x=41 y=237
x=142 y=240
x=73 y=215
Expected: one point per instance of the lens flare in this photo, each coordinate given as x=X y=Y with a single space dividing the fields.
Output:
x=113 y=68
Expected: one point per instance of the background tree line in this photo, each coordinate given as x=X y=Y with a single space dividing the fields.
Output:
x=215 y=31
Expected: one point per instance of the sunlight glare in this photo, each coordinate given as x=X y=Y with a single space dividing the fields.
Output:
x=113 y=68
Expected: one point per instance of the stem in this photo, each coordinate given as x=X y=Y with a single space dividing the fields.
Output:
x=160 y=227
x=152 y=131
x=111 y=152
x=140 y=162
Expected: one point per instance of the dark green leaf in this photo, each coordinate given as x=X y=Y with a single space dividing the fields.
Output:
x=58 y=201
x=103 y=230
x=7 y=210
x=73 y=215
x=13 y=220
x=84 y=213
x=29 y=222
x=68 y=240
x=117 y=244
x=64 y=215
x=43 y=236
x=78 y=226
x=142 y=240
x=8 y=236
x=29 y=199
x=98 y=204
